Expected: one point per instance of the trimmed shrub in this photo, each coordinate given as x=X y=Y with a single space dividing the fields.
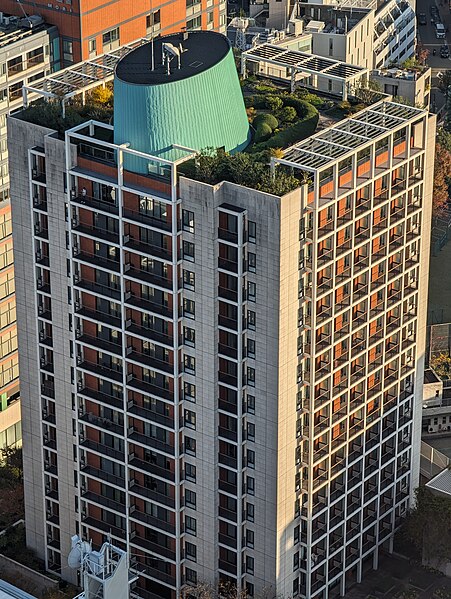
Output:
x=288 y=114
x=274 y=103
x=267 y=119
x=262 y=132
x=299 y=130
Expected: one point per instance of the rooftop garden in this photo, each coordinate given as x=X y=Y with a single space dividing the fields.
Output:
x=277 y=119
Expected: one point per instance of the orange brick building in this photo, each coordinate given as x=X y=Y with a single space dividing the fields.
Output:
x=92 y=27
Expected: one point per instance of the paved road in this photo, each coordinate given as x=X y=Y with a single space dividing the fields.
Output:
x=426 y=33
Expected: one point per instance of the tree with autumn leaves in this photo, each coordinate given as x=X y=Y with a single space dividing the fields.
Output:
x=442 y=170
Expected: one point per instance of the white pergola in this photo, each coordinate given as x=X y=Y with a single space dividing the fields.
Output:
x=308 y=65
x=79 y=78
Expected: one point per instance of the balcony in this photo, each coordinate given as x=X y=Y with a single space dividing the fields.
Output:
x=151 y=468
x=150 y=388
x=104 y=526
x=103 y=423
x=96 y=260
x=153 y=547
x=99 y=343
x=97 y=315
x=150 y=360
x=150 y=415
x=97 y=288
x=150 y=442
x=41 y=231
x=134 y=243
x=156 y=523
x=103 y=475
x=149 y=493
x=109 y=207
x=146 y=219
x=147 y=305
x=104 y=501
x=104 y=398
x=147 y=277
x=100 y=370
x=102 y=449
x=101 y=233
x=228 y=265
x=135 y=328
x=48 y=389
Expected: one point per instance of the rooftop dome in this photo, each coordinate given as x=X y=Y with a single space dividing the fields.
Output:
x=188 y=95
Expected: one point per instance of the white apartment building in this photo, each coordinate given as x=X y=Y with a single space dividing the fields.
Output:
x=25 y=55
x=230 y=383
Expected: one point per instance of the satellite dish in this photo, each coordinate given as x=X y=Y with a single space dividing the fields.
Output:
x=77 y=553
x=74 y=558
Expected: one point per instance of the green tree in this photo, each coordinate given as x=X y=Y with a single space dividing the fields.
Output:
x=442 y=168
x=429 y=525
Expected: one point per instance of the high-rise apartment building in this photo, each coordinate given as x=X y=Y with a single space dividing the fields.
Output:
x=226 y=381
x=89 y=27
x=25 y=56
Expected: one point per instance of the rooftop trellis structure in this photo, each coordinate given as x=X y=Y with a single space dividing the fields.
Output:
x=308 y=65
x=80 y=78
x=348 y=137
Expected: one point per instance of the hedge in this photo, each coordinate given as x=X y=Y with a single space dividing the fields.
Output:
x=303 y=128
x=262 y=132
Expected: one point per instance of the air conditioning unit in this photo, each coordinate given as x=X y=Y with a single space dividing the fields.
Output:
x=40 y=310
x=76 y=278
x=74 y=222
x=75 y=250
x=78 y=332
x=77 y=304
x=79 y=360
x=41 y=335
x=79 y=385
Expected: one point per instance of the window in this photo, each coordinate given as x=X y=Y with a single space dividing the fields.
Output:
x=250 y=539
x=250 y=431
x=250 y=348
x=190 y=551
x=188 y=308
x=189 y=392
x=68 y=50
x=249 y=565
x=190 y=446
x=295 y=561
x=188 y=280
x=194 y=23
x=188 y=251
x=190 y=525
x=188 y=221
x=250 y=514
x=250 y=458
x=295 y=587
x=251 y=291
x=110 y=38
x=251 y=320
x=153 y=21
x=251 y=231
x=251 y=404
x=92 y=46
x=210 y=17
x=189 y=336
x=250 y=485
x=251 y=261
x=190 y=419
x=190 y=472
x=189 y=364
x=250 y=376
x=190 y=576
x=190 y=499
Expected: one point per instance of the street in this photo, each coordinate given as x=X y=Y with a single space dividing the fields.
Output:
x=426 y=34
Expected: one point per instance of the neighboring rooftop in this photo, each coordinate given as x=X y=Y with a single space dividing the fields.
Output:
x=441 y=484
x=13 y=29
x=199 y=51
x=310 y=64
x=8 y=591
x=318 y=151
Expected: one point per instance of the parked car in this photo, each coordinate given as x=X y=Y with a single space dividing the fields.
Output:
x=444 y=51
x=422 y=20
